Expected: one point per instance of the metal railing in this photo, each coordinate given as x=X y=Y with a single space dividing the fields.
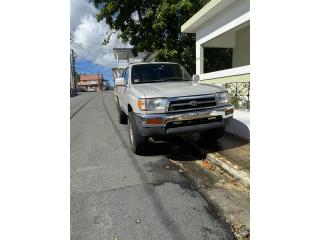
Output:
x=239 y=94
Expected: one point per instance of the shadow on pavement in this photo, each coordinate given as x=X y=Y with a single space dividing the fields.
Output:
x=175 y=148
x=192 y=147
x=238 y=128
x=227 y=142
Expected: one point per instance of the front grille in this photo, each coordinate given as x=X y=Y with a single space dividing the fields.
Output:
x=193 y=103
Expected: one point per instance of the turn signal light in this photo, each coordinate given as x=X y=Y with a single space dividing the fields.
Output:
x=141 y=104
x=229 y=111
x=155 y=121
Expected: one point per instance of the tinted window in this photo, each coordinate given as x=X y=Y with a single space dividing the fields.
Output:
x=216 y=59
x=125 y=76
x=146 y=73
x=123 y=72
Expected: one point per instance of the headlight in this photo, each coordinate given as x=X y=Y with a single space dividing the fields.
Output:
x=223 y=97
x=152 y=104
x=156 y=104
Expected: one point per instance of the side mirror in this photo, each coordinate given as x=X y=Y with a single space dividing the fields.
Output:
x=195 y=79
x=119 y=81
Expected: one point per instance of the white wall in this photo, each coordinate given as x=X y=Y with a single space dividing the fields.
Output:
x=225 y=40
x=235 y=10
x=241 y=52
x=230 y=17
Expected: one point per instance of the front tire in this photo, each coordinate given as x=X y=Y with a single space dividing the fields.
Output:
x=137 y=141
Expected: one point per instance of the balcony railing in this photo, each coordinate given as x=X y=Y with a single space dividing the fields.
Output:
x=239 y=94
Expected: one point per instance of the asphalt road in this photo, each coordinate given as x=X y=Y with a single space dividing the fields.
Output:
x=118 y=195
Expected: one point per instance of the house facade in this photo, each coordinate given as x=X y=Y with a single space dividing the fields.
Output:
x=222 y=29
x=91 y=82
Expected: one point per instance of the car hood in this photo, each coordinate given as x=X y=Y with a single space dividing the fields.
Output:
x=177 y=89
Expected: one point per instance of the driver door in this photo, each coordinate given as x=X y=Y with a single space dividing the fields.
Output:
x=122 y=90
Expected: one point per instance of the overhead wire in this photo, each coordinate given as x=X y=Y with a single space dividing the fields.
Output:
x=86 y=50
x=89 y=52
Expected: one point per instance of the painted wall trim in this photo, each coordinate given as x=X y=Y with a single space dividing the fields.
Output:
x=236 y=22
x=204 y=14
x=226 y=73
x=230 y=79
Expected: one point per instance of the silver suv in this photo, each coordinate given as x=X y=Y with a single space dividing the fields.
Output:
x=161 y=99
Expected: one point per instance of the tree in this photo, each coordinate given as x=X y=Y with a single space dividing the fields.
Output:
x=152 y=26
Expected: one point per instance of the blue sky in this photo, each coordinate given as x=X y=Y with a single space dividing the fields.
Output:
x=88 y=67
x=87 y=36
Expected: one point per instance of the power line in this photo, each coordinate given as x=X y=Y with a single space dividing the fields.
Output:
x=109 y=49
x=85 y=66
x=93 y=55
x=89 y=52
x=86 y=50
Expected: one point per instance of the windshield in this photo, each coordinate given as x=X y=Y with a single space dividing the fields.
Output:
x=162 y=72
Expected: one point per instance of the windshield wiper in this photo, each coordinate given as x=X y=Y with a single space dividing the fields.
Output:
x=173 y=79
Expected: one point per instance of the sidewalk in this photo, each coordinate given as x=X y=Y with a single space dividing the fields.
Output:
x=240 y=126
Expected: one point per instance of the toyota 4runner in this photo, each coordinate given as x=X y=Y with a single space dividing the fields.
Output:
x=161 y=99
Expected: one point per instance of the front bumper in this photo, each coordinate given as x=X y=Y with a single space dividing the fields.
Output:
x=186 y=122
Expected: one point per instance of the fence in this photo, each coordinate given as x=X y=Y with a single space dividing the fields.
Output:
x=239 y=94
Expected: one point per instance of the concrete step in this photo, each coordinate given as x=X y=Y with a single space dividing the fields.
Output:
x=231 y=167
x=232 y=155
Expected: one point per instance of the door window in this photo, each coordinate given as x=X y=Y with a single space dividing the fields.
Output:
x=125 y=76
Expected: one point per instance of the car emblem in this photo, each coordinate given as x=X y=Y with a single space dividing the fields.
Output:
x=193 y=103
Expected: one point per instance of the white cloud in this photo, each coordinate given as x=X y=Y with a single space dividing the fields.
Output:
x=78 y=10
x=87 y=35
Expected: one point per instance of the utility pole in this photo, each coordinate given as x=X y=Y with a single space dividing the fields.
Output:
x=73 y=73
x=99 y=83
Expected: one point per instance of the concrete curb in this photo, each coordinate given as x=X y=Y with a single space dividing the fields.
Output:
x=230 y=167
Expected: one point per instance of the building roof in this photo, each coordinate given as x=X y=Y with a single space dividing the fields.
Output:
x=90 y=77
x=204 y=14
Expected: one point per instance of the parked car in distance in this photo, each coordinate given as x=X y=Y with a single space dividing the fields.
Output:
x=81 y=89
x=91 y=90
x=161 y=99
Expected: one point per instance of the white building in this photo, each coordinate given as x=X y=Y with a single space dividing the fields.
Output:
x=222 y=29
x=124 y=56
